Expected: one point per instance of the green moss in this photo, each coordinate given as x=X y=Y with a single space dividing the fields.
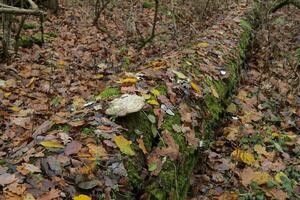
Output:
x=138 y=125
x=134 y=169
x=162 y=90
x=170 y=121
x=29 y=26
x=147 y=4
x=25 y=41
x=108 y=92
x=213 y=106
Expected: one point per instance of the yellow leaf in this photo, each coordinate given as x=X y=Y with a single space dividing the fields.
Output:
x=202 y=44
x=146 y=96
x=82 y=197
x=124 y=145
x=153 y=102
x=97 y=151
x=262 y=178
x=61 y=62
x=231 y=108
x=7 y=94
x=279 y=176
x=51 y=144
x=188 y=63
x=214 y=91
x=196 y=87
x=99 y=76
x=78 y=102
x=243 y=156
x=28 y=196
x=142 y=145
x=179 y=74
x=155 y=92
x=15 y=108
x=32 y=80
x=129 y=80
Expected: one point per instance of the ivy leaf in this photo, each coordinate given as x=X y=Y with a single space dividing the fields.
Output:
x=124 y=145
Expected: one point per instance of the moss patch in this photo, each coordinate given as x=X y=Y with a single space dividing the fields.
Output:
x=108 y=92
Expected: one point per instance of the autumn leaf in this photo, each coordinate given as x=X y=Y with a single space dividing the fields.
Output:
x=262 y=151
x=280 y=176
x=97 y=151
x=142 y=145
x=129 y=80
x=214 y=91
x=7 y=178
x=124 y=145
x=179 y=74
x=82 y=197
x=28 y=196
x=243 y=156
x=155 y=92
x=195 y=87
x=203 y=44
x=262 y=178
x=153 y=102
x=231 y=108
x=51 y=144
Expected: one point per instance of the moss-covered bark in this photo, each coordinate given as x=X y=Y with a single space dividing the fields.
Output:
x=173 y=180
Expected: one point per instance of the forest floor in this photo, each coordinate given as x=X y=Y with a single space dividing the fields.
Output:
x=262 y=122
x=56 y=88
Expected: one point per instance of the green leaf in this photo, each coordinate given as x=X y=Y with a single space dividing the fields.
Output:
x=152 y=167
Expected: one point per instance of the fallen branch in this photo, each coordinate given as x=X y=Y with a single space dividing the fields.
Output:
x=20 y=11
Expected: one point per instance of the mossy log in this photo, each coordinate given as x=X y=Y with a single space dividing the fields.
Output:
x=172 y=181
x=283 y=3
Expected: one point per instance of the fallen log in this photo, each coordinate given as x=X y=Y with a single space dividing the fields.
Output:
x=189 y=99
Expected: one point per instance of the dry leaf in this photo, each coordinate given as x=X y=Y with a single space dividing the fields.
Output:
x=51 y=144
x=82 y=197
x=7 y=178
x=124 y=145
x=97 y=151
x=142 y=145
x=243 y=156
x=195 y=87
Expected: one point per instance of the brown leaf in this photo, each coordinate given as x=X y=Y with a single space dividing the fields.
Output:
x=43 y=128
x=172 y=150
x=16 y=188
x=247 y=176
x=142 y=145
x=53 y=194
x=72 y=148
x=7 y=178
x=76 y=123
x=24 y=122
x=160 y=115
x=186 y=115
